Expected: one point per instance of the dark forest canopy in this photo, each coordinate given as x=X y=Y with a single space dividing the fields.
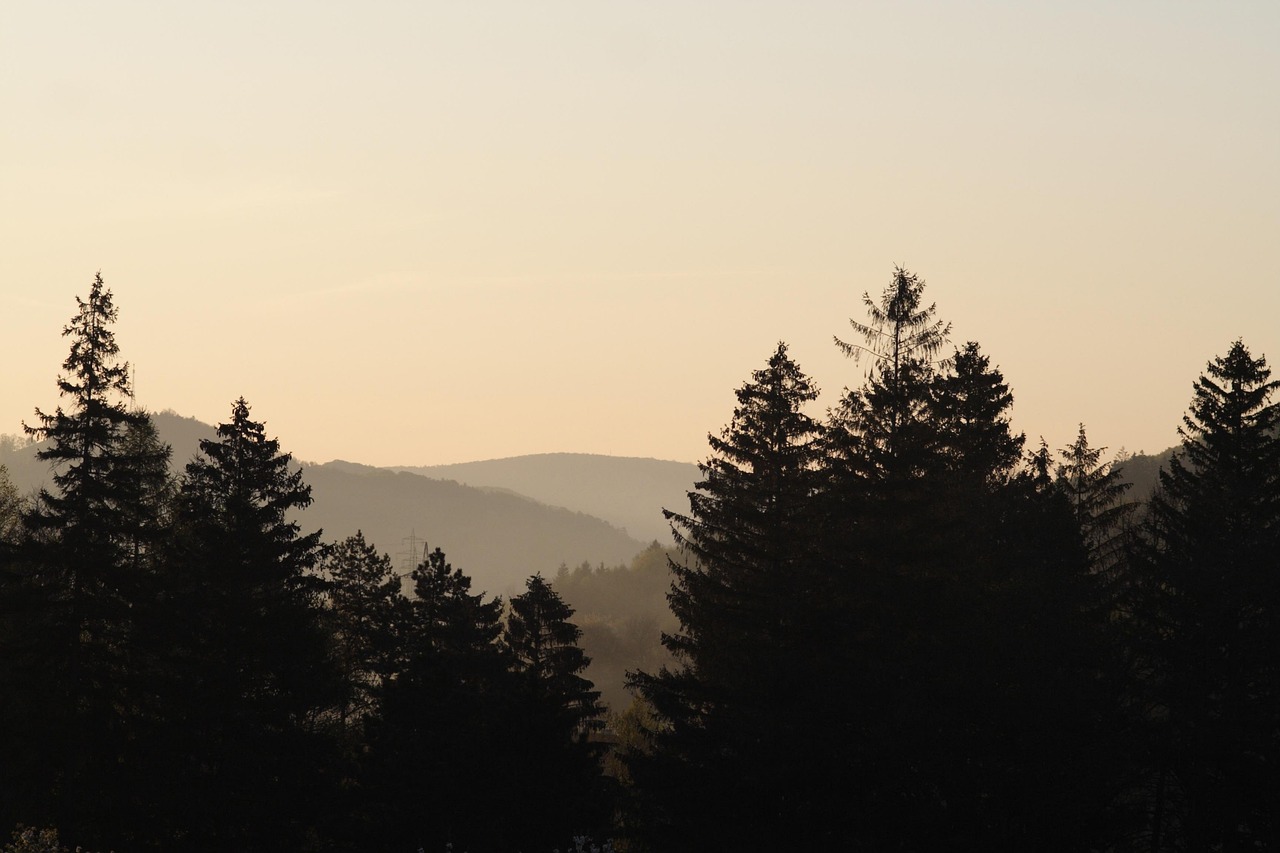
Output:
x=897 y=625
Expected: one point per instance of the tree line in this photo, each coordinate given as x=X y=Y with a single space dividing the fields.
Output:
x=903 y=629
x=183 y=668
x=899 y=628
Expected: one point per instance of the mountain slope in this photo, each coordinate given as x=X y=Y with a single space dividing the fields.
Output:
x=627 y=491
x=498 y=538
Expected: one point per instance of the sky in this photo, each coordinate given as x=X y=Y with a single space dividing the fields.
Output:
x=415 y=233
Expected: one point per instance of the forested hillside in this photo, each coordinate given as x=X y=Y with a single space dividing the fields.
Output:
x=626 y=492
x=622 y=611
x=895 y=627
x=501 y=537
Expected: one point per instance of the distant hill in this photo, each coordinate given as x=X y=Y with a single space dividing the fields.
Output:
x=185 y=434
x=627 y=491
x=498 y=538
x=622 y=611
x=1143 y=471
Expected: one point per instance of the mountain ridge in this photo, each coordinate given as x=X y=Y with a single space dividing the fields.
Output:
x=498 y=537
x=627 y=491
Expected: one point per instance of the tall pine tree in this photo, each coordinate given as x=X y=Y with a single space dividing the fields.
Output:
x=741 y=743
x=888 y=414
x=443 y=736
x=251 y=675
x=966 y=592
x=1210 y=587
x=75 y=658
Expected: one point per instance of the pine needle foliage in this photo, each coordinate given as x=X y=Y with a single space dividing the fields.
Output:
x=1095 y=491
x=1211 y=607
x=248 y=656
x=886 y=420
x=738 y=710
x=545 y=654
x=900 y=327
x=84 y=583
x=365 y=605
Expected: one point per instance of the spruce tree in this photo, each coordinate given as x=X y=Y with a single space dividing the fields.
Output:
x=546 y=656
x=248 y=656
x=443 y=738
x=1211 y=605
x=882 y=542
x=1026 y=715
x=966 y=590
x=882 y=442
x=902 y=332
x=561 y=792
x=739 y=753
x=1095 y=492
x=365 y=609
x=969 y=406
x=75 y=656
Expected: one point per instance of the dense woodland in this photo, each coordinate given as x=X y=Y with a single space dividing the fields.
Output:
x=894 y=627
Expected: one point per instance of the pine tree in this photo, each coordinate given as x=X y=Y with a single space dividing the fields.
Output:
x=739 y=751
x=882 y=540
x=444 y=735
x=1212 y=609
x=965 y=588
x=366 y=608
x=561 y=792
x=1019 y=696
x=547 y=657
x=76 y=654
x=1095 y=491
x=148 y=490
x=247 y=651
x=883 y=441
x=902 y=339
x=969 y=406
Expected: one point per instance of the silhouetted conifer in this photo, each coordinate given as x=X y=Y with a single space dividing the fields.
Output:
x=250 y=674
x=366 y=608
x=1095 y=491
x=547 y=659
x=740 y=750
x=901 y=337
x=73 y=693
x=1210 y=602
x=965 y=587
x=441 y=745
x=561 y=792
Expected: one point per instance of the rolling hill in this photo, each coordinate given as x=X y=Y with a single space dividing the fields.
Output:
x=629 y=492
x=497 y=537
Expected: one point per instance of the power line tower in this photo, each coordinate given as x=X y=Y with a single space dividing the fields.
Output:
x=412 y=554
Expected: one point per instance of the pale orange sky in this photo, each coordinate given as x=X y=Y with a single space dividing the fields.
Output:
x=417 y=233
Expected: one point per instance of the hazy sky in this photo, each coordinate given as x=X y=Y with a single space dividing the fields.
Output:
x=417 y=233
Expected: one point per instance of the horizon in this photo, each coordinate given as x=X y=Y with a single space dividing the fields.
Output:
x=420 y=236
x=1110 y=455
